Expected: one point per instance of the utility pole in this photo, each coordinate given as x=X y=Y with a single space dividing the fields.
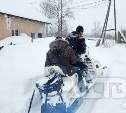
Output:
x=61 y=17
x=102 y=37
x=106 y=23
x=115 y=21
x=104 y=30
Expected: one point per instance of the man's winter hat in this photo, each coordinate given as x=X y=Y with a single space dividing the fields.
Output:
x=79 y=29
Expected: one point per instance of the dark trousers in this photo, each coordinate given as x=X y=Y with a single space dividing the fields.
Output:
x=81 y=84
x=78 y=71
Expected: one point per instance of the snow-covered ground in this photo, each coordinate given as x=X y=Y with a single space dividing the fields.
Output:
x=114 y=59
x=22 y=64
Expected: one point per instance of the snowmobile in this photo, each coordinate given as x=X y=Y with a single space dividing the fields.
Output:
x=59 y=93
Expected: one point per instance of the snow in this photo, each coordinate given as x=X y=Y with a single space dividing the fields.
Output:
x=19 y=64
x=114 y=59
x=22 y=64
x=15 y=7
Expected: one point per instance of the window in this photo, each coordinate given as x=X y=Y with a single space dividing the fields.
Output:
x=8 y=22
x=39 y=35
x=12 y=32
x=36 y=35
x=15 y=32
x=33 y=35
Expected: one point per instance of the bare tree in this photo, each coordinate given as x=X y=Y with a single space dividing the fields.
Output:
x=96 y=31
x=52 y=9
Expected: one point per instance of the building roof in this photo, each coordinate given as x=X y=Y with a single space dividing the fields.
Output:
x=22 y=9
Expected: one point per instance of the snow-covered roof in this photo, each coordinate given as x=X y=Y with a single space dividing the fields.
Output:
x=22 y=9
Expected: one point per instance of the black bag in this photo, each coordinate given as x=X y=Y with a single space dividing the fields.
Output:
x=53 y=84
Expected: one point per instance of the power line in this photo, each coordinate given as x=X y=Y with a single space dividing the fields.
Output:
x=92 y=3
x=84 y=1
x=94 y=7
x=90 y=6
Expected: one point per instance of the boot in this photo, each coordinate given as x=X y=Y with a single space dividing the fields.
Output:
x=81 y=86
x=88 y=77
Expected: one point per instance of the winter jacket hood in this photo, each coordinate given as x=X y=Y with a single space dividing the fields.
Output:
x=58 y=44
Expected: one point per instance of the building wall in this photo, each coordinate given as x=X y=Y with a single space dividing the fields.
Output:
x=9 y=23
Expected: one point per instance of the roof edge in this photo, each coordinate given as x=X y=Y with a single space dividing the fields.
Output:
x=26 y=18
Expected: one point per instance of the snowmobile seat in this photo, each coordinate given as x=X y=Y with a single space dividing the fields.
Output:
x=61 y=70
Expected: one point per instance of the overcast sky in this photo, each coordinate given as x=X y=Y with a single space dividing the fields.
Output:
x=88 y=16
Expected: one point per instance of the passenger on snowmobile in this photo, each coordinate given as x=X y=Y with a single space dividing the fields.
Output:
x=62 y=55
x=77 y=42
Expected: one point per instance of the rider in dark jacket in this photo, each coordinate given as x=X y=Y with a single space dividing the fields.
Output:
x=77 y=42
x=61 y=54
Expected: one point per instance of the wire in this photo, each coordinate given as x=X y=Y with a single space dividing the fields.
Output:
x=94 y=7
x=86 y=1
x=92 y=3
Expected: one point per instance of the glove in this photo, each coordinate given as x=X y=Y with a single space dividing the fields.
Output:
x=81 y=65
